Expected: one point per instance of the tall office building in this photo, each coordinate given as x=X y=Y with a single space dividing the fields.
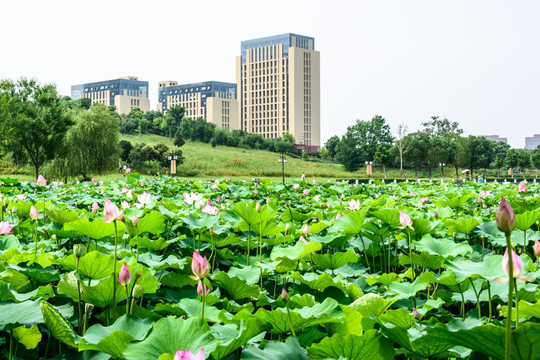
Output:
x=213 y=101
x=126 y=93
x=496 y=138
x=278 y=79
x=532 y=142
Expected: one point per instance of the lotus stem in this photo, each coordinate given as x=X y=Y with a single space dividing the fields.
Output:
x=79 y=295
x=114 y=265
x=290 y=319
x=508 y=341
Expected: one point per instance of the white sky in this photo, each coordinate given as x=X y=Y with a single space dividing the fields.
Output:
x=476 y=62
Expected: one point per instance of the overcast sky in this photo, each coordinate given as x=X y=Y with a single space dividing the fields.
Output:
x=474 y=62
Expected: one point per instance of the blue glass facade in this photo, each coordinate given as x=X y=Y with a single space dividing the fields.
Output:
x=285 y=39
x=207 y=89
x=116 y=87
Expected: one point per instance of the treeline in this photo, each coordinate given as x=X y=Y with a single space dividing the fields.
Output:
x=438 y=144
x=174 y=124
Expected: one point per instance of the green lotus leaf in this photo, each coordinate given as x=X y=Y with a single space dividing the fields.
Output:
x=490 y=268
x=153 y=222
x=414 y=341
x=36 y=272
x=95 y=265
x=422 y=227
x=288 y=350
x=154 y=245
x=322 y=313
x=336 y=260
x=384 y=279
x=26 y=313
x=456 y=201
x=296 y=252
x=235 y=287
x=113 y=339
x=317 y=281
x=232 y=337
x=387 y=216
x=171 y=334
x=352 y=323
x=372 y=304
x=5 y=292
x=398 y=317
x=424 y=259
x=193 y=307
x=489 y=339
x=444 y=247
x=249 y=274
x=62 y=216
x=57 y=324
x=371 y=345
x=527 y=219
x=100 y=295
x=351 y=223
x=9 y=242
x=28 y=336
x=97 y=229
x=462 y=225
x=406 y=290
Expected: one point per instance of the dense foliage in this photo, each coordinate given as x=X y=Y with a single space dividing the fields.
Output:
x=294 y=271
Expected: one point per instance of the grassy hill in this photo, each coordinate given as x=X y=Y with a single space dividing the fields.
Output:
x=203 y=160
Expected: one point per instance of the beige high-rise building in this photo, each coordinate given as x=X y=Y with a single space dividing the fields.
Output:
x=211 y=100
x=126 y=93
x=278 y=79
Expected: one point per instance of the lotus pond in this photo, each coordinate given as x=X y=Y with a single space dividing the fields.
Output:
x=164 y=268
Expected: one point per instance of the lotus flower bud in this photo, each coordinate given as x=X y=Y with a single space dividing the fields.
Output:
x=536 y=248
x=33 y=213
x=138 y=291
x=200 y=287
x=435 y=215
x=88 y=308
x=506 y=218
x=199 y=266
x=41 y=181
x=79 y=250
x=416 y=314
x=284 y=295
x=288 y=228
x=124 y=277
x=306 y=230
x=135 y=220
x=258 y=207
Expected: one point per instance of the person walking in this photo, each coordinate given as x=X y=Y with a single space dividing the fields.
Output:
x=303 y=177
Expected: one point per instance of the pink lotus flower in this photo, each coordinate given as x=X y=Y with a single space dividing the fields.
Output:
x=411 y=193
x=128 y=170
x=192 y=197
x=34 y=214
x=124 y=190
x=135 y=220
x=111 y=212
x=296 y=186
x=141 y=184
x=405 y=221
x=94 y=180
x=342 y=196
x=199 y=266
x=338 y=216
x=144 y=198
x=214 y=187
x=5 y=228
x=255 y=191
x=21 y=197
x=522 y=187
x=506 y=217
x=517 y=268
x=228 y=179
x=124 y=278
x=536 y=248
x=209 y=209
x=95 y=207
x=305 y=192
x=424 y=200
x=200 y=288
x=302 y=239
x=124 y=204
x=354 y=204
x=41 y=181
x=187 y=355
x=284 y=295
x=267 y=200
x=306 y=230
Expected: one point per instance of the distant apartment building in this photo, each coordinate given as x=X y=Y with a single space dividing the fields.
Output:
x=213 y=101
x=278 y=80
x=125 y=93
x=496 y=138
x=532 y=142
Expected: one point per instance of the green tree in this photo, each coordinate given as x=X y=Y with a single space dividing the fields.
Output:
x=125 y=148
x=173 y=118
x=93 y=142
x=179 y=138
x=361 y=140
x=331 y=145
x=33 y=117
x=535 y=159
x=383 y=156
x=441 y=127
x=416 y=150
x=500 y=149
x=480 y=153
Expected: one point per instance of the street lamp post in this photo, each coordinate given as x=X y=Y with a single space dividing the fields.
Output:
x=369 y=168
x=442 y=169
x=283 y=161
x=172 y=158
